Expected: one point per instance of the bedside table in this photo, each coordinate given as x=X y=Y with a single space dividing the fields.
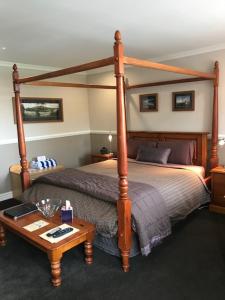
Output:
x=15 y=170
x=218 y=190
x=101 y=157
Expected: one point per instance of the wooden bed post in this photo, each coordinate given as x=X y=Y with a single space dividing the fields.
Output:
x=123 y=203
x=214 y=147
x=125 y=101
x=25 y=177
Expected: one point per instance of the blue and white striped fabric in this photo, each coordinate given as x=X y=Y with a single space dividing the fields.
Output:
x=44 y=164
x=48 y=163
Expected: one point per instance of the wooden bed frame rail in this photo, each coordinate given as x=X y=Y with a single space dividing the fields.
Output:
x=166 y=82
x=73 y=85
x=72 y=70
x=119 y=60
x=153 y=65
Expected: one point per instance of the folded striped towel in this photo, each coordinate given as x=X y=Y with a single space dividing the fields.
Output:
x=43 y=164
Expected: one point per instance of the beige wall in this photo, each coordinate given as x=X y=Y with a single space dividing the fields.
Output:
x=102 y=105
x=75 y=106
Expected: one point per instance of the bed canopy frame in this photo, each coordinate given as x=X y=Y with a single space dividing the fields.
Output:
x=119 y=60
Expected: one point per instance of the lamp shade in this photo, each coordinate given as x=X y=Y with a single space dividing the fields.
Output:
x=222 y=142
x=110 y=138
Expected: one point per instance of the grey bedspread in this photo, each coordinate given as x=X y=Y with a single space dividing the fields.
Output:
x=149 y=211
x=181 y=189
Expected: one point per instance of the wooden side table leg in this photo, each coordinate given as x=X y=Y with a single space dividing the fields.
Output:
x=88 y=249
x=55 y=270
x=2 y=236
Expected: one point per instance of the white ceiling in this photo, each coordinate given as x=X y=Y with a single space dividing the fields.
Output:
x=68 y=32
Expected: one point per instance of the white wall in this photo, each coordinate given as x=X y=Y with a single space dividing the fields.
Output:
x=102 y=105
x=75 y=106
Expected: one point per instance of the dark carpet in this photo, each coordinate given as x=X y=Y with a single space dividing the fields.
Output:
x=190 y=264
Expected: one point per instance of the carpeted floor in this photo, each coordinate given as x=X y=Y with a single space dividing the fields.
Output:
x=190 y=264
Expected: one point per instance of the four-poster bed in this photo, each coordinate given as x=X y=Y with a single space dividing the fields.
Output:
x=119 y=61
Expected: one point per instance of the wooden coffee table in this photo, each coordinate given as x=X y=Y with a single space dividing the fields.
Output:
x=54 y=251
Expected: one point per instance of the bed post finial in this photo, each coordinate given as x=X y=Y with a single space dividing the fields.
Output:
x=15 y=67
x=25 y=176
x=15 y=76
x=117 y=36
x=214 y=148
x=123 y=203
x=216 y=71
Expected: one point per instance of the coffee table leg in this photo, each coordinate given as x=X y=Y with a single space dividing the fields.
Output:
x=55 y=269
x=88 y=249
x=2 y=236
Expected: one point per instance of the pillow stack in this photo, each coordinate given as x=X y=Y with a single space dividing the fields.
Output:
x=172 y=151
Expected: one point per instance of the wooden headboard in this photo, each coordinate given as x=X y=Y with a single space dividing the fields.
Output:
x=199 y=137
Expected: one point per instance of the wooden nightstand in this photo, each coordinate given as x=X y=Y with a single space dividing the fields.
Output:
x=101 y=157
x=14 y=171
x=218 y=190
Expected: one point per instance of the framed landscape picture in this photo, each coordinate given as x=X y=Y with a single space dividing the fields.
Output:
x=40 y=109
x=183 y=101
x=148 y=102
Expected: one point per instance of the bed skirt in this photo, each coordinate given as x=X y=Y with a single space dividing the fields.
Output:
x=110 y=245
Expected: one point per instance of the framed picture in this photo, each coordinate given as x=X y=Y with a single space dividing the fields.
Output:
x=183 y=101
x=148 y=102
x=40 y=109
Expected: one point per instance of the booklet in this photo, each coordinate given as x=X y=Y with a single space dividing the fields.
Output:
x=36 y=225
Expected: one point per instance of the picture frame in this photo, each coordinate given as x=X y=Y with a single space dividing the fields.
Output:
x=148 y=102
x=38 y=110
x=183 y=101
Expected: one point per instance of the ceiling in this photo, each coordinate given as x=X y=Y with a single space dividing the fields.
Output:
x=64 y=33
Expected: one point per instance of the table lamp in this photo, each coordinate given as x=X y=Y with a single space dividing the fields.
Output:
x=110 y=142
x=221 y=142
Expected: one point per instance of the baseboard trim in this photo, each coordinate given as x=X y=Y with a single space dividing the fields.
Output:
x=6 y=196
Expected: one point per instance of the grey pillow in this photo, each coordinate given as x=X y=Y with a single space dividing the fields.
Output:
x=155 y=155
x=182 y=152
x=134 y=143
